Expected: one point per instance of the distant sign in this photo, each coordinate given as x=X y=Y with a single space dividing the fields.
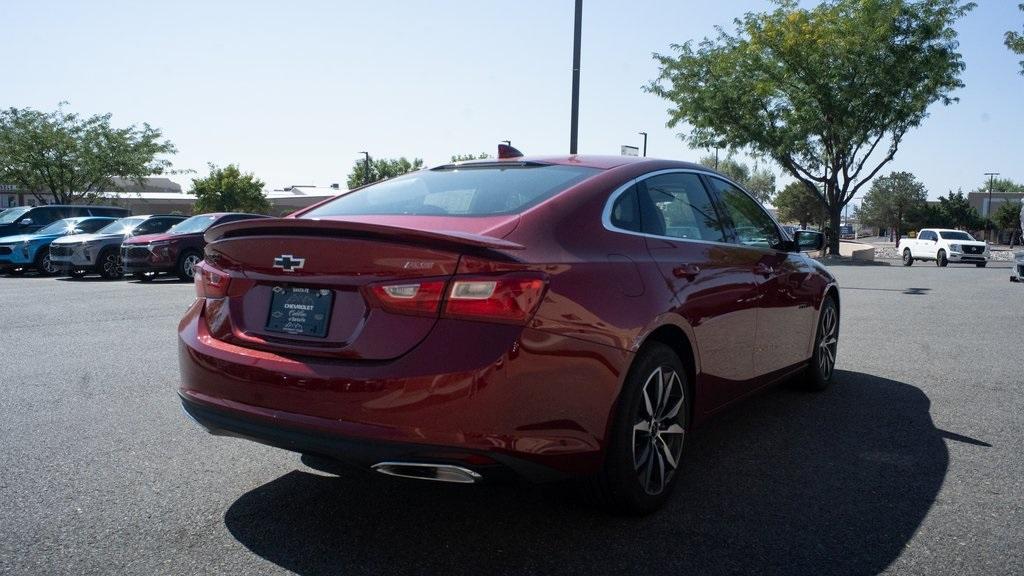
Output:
x=630 y=151
x=8 y=187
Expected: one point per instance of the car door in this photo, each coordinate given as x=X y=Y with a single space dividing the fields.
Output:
x=713 y=285
x=785 y=281
x=924 y=245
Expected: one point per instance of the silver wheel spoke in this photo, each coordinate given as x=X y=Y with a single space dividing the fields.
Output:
x=666 y=452
x=673 y=429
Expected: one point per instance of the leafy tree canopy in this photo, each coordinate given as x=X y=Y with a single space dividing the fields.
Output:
x=892 y=200
x=467 y=157
x=381 y=169
x=1008 y=216
x=229 y=190
x=760 y=182
x=795 y=203
x=1001 y=185
x=1015 y=41
x=75 y=158
x=819 y=89
x=958 y=212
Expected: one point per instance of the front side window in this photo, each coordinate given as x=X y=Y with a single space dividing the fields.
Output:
x=678 y=206
x=122 y=225
x=64 y=226
x=466 y=190
x=753 y=226
x=90 y=225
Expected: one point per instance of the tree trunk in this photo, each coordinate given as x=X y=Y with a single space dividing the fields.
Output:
x=835 y=212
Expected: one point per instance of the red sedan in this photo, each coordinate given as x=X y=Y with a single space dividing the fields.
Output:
x=551 y=318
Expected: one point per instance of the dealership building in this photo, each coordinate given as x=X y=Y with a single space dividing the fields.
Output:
x=164 y=196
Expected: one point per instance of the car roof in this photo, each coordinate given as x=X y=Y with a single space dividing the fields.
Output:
x=602 y=162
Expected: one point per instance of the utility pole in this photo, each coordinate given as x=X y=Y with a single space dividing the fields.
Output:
x=574 y=123
x=988 y=208
x=644 y=134
x=366 y=168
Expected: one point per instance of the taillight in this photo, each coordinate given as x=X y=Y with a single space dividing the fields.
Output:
x=509 y=300
x=416 y=298
x=210 y=282
x=505 y=299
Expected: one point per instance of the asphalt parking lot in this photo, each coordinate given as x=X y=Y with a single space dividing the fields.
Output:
x=912 y=463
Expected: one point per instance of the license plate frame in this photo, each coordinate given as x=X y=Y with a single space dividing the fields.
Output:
x=300 y=311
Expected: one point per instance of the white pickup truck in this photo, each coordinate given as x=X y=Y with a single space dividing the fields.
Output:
x=944 y=246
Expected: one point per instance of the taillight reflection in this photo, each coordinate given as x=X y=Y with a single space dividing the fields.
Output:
x=416 y=298
x=210 y=282
x=504 y=299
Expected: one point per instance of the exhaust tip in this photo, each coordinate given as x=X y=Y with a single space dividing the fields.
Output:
x=422 y=471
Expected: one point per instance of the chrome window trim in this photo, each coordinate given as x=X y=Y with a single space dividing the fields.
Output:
x=606 y=215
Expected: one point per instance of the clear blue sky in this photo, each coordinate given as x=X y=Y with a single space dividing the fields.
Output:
x=294 y=90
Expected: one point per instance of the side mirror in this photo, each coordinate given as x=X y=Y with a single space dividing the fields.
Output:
x=25 y=222
x=808 y=241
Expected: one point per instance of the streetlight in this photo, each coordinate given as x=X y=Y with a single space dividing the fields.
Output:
x=988 y=207
x=366 y=168
x=644 y=134
x=574 y=122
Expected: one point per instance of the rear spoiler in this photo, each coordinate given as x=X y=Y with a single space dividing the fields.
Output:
x=343 y=228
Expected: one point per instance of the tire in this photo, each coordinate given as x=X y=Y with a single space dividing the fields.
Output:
x=907 y=258
x=186 y=268
x=981 y=264
x=43 y=264
x=940 y=259
x=639 y=470
x=109 y=264
x=142 y=276
x=822 y=368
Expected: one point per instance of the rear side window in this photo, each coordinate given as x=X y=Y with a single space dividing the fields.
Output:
x=753 y=226
x=626 y=211
x=480 y=190
x=677 y=205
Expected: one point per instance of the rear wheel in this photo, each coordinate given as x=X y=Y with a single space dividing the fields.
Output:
x=186 y=268
x=826 y=344
x=646 y=445
x=907 y=258
x=940 y=259
x=44 y=265
x=110 y=265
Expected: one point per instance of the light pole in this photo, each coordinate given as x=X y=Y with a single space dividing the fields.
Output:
x=574 y=122
x=644 y=134
x=366 y=168
x=988 y=207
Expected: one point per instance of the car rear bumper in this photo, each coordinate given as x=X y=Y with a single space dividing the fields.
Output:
x=535 y=403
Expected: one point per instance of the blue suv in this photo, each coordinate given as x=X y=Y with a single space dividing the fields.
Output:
x=23 y=251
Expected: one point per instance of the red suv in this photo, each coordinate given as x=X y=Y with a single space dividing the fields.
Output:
x=176 y=251
x=568 y=317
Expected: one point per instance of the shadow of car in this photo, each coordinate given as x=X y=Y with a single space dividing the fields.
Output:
x=787 y=483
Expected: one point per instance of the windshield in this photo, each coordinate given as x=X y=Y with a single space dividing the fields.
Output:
x=483 y=190
x=956 y=236
x=122 y=226
x=11 y=214
x=60 y=226
x=193 y=224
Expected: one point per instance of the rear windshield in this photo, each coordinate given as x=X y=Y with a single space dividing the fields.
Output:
x=956 y=236
x=459 y=191
x=193 y=224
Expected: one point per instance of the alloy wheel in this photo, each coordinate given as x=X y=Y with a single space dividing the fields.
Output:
x=189 y=265
x=658 y=432
x=48 y=266
x=828 y=342
x=112 y=267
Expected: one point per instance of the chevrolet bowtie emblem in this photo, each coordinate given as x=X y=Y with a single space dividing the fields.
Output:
x=289 y=263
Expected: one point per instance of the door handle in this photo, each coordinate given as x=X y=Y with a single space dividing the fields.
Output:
x=687 y=271
x=762 y=269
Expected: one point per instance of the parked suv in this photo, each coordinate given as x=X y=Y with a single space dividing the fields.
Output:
x=28 y=219
x=177 y=251
x=101 y=252
x=24 y=250
x=944 y=246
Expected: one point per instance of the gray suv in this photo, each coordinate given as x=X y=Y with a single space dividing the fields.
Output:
x=100 y=253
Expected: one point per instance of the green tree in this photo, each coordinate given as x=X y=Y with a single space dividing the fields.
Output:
x=795 y=203
x=926 y=216
x=1015 y=42
x=890 y=200
x=468 y=157
x=818 y=90
x=958 y=212
x=74 y=158
x=381 y=169
x=1008 y=217
x=758 y=181
x=229 y=190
